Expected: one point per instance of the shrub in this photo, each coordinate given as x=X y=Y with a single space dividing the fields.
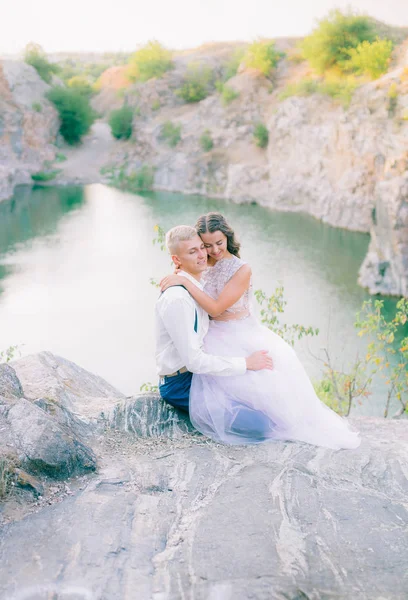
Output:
x=137 y=181
x=329 y=44
x=261 y=135
x=37 y=107
x=59 y=157
x=228 y=95
x=206 y=141
x=35 y=56
x=75 y=113
x=153 y=60
x=262 y=56
x=156 y=105
x=81 y=85
x=339 y=88
x=303 y=87
x=370 y=58
x=120 y=122
x=45 y=175
x=171 y=133
x=196 y=83
x=231 y=66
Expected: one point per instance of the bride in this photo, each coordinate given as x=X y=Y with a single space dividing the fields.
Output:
x=261 y=405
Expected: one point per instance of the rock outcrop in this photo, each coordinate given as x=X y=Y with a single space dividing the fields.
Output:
x=28 y=125
x=171 y=515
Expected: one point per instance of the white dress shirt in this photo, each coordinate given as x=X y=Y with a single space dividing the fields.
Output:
x=178 y=345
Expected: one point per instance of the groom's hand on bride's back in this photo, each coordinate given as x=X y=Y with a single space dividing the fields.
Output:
x=258 y=361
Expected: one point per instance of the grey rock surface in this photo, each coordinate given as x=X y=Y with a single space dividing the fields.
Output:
x=40 y=443
x=10 y=386
x=187 y=518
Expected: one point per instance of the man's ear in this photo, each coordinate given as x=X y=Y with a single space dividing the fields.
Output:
x=176 y=260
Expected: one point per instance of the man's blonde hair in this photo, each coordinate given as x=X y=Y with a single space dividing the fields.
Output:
x=181 y=233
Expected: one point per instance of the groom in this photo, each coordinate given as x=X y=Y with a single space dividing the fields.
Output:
x=181 y=325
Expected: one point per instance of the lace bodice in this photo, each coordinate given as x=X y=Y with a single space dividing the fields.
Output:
x=215 y=278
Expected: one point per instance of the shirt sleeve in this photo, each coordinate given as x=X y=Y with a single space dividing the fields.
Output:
x=178 y=318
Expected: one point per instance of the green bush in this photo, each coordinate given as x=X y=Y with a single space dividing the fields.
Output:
x=120 y=122
x=228 y=95
x=206 y=141
x=231 y=66
x=35 y=56
x=153 y=60
x=261 y=135
x=370 y=58
x=330 y=42
x=45 y=175
x=339 y=88
x=303 y=87
x=171 y=133
x=59 y=157
x=75 y=112
x=136 y=181
x=37 y=107
x=81 y=84
x=262 y=56
x=156 y=105
x=196 y=83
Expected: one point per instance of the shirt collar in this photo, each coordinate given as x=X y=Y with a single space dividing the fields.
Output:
x=191 y=278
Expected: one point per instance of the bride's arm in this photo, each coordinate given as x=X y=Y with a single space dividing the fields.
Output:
x=232 y=292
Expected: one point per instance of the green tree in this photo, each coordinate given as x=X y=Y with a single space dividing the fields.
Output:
x=120 y=122
x=262 y=56
x=153 y=60
x=35 y=56
x=330 y=42
x=75 y=113
x=81 y=84
x=370 y=58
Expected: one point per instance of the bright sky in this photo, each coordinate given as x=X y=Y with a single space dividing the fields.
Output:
x=97 y=25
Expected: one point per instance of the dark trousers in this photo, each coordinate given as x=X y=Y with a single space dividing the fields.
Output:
x=176 y=390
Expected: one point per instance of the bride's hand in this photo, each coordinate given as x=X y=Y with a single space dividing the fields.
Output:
x=171 y=280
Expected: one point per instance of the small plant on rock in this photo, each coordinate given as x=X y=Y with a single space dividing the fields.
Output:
x=171 y=133
x=261 y=135
x=206 y=141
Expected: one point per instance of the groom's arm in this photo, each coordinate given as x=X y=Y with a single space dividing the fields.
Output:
x=178 y=317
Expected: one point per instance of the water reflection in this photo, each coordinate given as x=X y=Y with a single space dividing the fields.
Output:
x=75 y=265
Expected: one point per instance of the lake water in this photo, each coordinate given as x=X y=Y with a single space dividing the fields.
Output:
x=75 y=265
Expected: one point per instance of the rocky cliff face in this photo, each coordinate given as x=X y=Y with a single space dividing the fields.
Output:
x=342 y=165
x=28 y=125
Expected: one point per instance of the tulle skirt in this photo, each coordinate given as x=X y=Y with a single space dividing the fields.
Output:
x=262 y=405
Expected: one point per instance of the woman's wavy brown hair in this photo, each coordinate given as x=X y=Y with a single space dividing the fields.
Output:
x=214 y=221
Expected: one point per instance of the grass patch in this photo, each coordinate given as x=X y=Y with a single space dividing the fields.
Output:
x=228 y=95
x=206 y=141
x=140 y=180
x=340 y=89
x=45 y=175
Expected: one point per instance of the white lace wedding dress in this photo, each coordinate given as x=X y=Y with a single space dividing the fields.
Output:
x=260 y=405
